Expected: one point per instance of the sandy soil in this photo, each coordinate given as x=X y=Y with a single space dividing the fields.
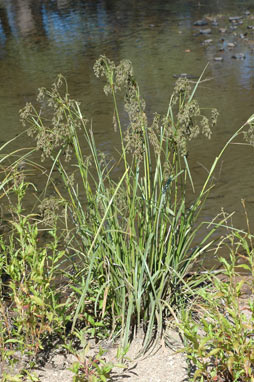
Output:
x=163 y=364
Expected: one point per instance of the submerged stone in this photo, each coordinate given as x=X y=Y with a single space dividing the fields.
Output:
x=234 y=18
x=239 y=56
x=207 y=42
x=218 y=59
x=200 y=23
x=215 y=23
x=185 y=75
x=205 y=31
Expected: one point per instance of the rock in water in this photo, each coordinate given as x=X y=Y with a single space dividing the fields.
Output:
x=239 y=56
x=185 y=75
x=234 y=18
x=200 y=23
x=218 y=59
x=207 y=42
x=215 y=23
x=205 y=31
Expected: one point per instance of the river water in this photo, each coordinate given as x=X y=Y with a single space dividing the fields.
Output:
x=39 y=39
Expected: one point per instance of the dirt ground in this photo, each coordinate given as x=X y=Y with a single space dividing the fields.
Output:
x=163 y=364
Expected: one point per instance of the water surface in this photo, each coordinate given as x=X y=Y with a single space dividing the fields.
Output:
x=39 y=39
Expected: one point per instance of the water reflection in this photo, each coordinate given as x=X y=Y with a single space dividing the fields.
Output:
x=23 y=17
x=61 y=4
x=40 y=38
x=73 y=27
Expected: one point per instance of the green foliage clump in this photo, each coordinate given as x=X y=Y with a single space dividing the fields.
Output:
x=133 y=236
x=219 y=337
x=34 y=306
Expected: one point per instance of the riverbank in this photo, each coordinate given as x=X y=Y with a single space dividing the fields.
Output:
x=163 y=365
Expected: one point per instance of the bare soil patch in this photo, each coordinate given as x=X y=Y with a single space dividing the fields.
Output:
x=162 y=364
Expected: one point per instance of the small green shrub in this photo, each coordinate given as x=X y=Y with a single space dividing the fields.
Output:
x=92 y=369
x=219 y=327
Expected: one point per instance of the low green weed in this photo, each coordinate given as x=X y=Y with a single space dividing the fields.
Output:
x=33 y=302
x=219 y=327
x=94 y=368
x=24 y=375
x=91 y=369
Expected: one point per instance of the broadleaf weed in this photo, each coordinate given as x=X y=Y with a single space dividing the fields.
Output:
x=219 y=341
x=31 y=308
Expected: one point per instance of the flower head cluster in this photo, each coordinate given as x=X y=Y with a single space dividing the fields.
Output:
x=116 y=76
x=121 y=77
x=184 y=123
x=50 y=210
x=249 y=134
x=53 y=125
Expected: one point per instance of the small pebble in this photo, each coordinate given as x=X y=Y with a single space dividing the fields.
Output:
x=207 y=42
x=215 y=23
x=234 y=18
x=231 y=45
x=223 y=30
x=200 y=23
x=182 y=75
x=205 y=31
x=237 y=22
x=239 y=56
x=218 y=59
x=185 y=75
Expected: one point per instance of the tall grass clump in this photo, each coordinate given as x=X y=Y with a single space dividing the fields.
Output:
x=135 y=237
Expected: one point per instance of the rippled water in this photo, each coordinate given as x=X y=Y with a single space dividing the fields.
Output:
x=39 y=39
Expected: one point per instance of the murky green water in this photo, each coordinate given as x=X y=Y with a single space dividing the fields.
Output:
x=39 y=39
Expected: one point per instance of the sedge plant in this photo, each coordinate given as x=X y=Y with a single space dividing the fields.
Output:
x=133 y=237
